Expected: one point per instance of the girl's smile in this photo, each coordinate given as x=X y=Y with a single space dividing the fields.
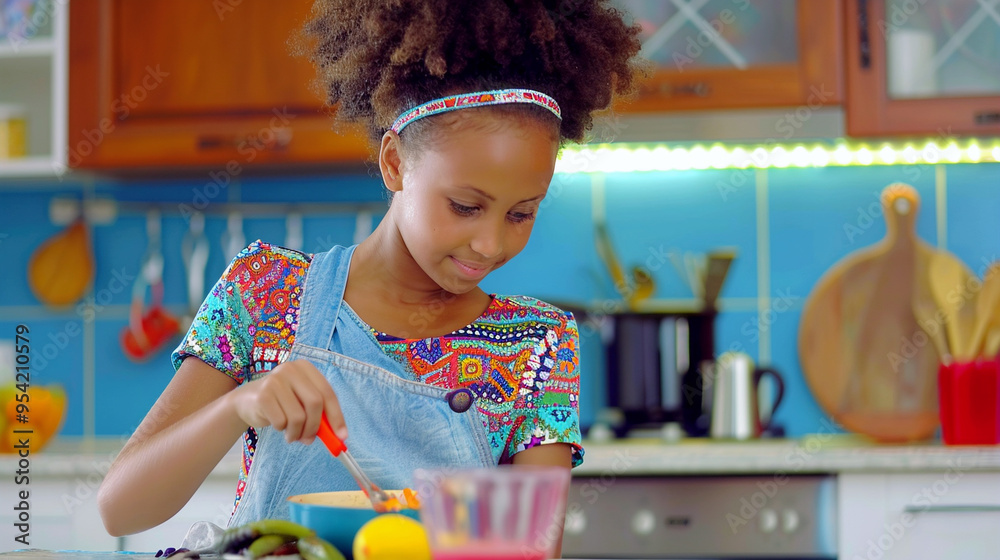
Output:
x=473 y=271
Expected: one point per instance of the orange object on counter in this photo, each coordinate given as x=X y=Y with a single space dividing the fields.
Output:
x=45 y=410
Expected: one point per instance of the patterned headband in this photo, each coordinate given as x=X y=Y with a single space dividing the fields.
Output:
x=477 y=99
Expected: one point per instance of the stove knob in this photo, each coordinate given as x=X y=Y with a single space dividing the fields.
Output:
x=643 y=522
x=790 y=521
x=768 y=520
x=576 y=522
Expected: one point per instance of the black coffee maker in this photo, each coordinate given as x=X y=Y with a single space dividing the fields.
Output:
x=654 y=358
x=653 y=369
x=652 y=365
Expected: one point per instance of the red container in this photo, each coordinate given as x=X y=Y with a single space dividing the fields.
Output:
x=969 y=402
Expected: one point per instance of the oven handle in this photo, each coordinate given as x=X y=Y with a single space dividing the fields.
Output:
x=952 y=509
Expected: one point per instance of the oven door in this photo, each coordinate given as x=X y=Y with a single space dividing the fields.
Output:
x=760 y=516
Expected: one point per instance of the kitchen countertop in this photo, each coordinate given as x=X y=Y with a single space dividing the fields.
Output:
x=38 y=554
x=73 y=457
x=35 y=554
x=813 y=454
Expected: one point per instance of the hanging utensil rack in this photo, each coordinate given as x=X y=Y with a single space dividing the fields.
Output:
x=104 y=211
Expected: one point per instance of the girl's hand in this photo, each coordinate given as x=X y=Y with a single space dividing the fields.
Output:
x=292 y=398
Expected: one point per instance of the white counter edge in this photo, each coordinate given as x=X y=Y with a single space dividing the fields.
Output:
x=629 y=458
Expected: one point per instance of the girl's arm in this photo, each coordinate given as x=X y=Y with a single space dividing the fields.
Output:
x=196 y=420
x=552 y=454
x=181 y=439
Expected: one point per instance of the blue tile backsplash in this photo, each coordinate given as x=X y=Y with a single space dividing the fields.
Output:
x=810 y=220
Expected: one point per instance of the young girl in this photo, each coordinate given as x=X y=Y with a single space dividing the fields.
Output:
x=414 y=365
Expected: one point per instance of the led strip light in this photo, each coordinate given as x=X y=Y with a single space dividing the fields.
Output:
x=611 y=158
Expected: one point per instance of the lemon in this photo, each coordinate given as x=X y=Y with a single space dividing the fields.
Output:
x=392 y=536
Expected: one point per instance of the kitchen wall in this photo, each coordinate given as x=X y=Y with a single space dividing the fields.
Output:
x=788 y=225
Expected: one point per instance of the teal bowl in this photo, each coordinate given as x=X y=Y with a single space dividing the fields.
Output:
x=337 y=516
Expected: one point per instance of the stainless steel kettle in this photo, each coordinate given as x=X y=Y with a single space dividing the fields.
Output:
x=734 y=385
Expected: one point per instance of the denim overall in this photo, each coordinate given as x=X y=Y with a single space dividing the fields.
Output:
x=395 y=424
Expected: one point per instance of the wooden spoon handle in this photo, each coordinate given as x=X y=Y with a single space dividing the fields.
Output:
x=992 y=346
x=987 y=315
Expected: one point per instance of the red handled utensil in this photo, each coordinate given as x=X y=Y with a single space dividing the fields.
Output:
x=337 y=448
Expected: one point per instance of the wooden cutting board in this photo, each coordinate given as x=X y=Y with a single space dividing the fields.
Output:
x=867 y=360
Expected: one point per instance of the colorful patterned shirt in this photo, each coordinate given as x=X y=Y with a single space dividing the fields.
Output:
x=519 y=358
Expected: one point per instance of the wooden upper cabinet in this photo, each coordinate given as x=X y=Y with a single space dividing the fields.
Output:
x=728 y=54
x=923 y=67
x=161 y=83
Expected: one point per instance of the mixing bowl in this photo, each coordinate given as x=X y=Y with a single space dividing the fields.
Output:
x=337 y=516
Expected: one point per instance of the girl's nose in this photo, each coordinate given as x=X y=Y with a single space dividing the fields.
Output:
x=488 y=241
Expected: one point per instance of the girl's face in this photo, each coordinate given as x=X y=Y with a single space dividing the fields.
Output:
x=465 y=205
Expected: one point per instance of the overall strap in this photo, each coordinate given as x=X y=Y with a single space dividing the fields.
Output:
x=322 y=296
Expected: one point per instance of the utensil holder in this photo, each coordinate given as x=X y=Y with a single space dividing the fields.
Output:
x=969 y=402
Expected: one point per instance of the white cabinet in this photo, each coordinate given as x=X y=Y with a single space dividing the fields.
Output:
x=916 y=516
x=212 y=502
x=64 y=516
x=33 y=77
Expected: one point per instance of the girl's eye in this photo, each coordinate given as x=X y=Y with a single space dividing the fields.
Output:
x=513 y=217
x=463 y=210
x=520 y=217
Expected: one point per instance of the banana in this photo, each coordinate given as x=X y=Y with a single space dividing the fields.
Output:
x=265 y=545
x=281 y=527
x=315 y=548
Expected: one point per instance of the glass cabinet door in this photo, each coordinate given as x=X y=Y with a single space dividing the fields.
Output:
x=922 y=67
x=713 y=54
x=942 y=48
x=737 y=34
